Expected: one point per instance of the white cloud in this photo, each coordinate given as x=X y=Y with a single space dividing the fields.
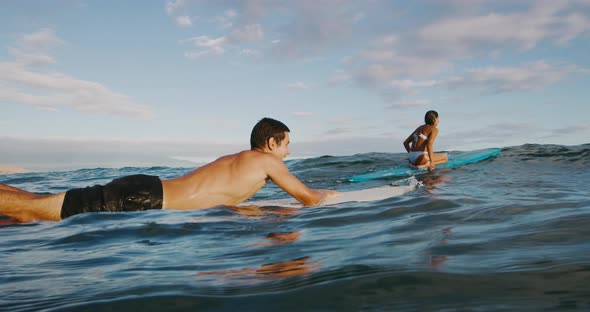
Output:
x=206 y=42
x=384 y=62
x=204 y=53
x=340 y=76
x=184 y=21
x=505 y=79
x=545 y=20
x=174 y=6
x=23 y=82
x=408 y=84
x=303 y=27
x=409 y=103
x=495 y=79
x=400 y=60
x=33 y=59
x=297 y=85
x=247 y=33
x=220 y=45
x=42 y=39
x=226 y=20
x=395 y=60
x=249 y=52
x=212 y=46
x=178 y=11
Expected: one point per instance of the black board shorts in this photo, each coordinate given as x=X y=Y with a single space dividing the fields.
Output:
x=131 y=193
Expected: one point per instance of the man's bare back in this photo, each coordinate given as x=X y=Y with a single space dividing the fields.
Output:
x=232 y=179
x=229 y=181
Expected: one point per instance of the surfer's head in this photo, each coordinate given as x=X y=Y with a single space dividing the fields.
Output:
x=266 y=129
x=430 y=117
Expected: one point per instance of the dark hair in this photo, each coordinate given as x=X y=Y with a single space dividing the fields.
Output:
x=430 y=116
x=265 y=129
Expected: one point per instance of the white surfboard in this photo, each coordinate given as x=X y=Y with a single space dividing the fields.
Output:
x=370 y=194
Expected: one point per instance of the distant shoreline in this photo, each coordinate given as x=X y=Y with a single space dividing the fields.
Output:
x=11 y=170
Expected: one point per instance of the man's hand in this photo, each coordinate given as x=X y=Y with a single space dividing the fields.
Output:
x=327 y=194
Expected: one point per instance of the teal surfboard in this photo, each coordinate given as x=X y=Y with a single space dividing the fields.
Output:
x=454 y=161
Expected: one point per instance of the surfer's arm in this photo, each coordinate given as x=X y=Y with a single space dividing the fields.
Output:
x=407 y=143
x=283 y=178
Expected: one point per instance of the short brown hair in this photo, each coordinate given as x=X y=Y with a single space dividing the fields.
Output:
x=265 y=129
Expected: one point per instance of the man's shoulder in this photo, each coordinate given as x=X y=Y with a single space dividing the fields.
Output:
x=255 y=155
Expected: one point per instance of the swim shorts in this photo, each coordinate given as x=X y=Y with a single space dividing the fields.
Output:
x=131 y=193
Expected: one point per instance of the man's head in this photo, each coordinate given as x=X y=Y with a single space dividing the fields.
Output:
x=265 y=130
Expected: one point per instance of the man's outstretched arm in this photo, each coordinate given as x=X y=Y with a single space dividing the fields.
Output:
x=281 y=176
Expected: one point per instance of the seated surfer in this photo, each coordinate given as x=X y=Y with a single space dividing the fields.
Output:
x=229 y=180
x=420 y=144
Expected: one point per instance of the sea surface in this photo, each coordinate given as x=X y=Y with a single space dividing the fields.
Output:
x=510 y=233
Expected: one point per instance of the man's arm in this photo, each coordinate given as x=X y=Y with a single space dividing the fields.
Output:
x=281 y=176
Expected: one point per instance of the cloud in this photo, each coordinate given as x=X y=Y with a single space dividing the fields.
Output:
x=490 y=79
x=172 y=7
x=507 y=79
x=430 y=53
x=250 y=33
x=385 y=63
x=409 y=103
x=312 y=27
x=249 y=52
x=27 y=81
x=340 y=77
x=302 y=28
x=177 y=10
x=545 y=20
x=42 y=39
x=297 y=85
x=184 y=21
x=408 y=84
x=247 y=33
x=402 y=61
x=31 y=58
x=209 y=46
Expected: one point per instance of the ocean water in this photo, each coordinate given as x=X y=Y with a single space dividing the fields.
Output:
x=511 y=233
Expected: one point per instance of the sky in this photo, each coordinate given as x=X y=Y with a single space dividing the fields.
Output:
x=87 y=84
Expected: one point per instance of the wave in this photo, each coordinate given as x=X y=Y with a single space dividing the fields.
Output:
x=506 y=233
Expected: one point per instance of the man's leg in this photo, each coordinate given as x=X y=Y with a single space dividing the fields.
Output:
x=26 y=207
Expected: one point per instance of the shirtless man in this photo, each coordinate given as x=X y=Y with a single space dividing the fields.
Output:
x=229 y=180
